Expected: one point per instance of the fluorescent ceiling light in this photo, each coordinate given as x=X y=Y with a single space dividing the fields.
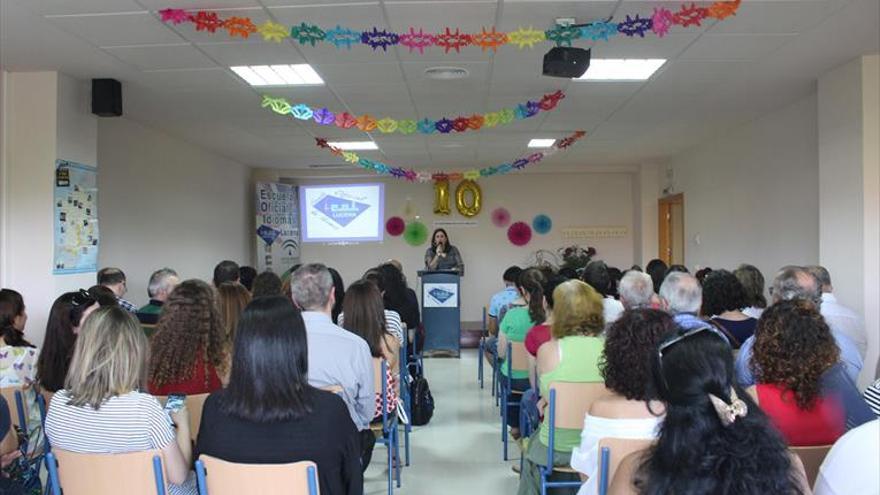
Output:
x=620 y=69
x=541 y=143
x=278 y=75
x=354 y=145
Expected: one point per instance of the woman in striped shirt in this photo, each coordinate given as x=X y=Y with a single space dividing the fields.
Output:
x=101 y=411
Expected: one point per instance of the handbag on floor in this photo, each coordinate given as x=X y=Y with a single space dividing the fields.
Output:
x=422 y=401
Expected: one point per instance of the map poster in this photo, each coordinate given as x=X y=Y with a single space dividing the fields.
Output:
x=440 y=295
x=277 y=234
x=76 y=218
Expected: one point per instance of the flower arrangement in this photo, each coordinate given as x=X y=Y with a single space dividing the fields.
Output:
x=575 y=257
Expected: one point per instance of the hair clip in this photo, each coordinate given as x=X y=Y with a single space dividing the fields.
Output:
x=728 y=413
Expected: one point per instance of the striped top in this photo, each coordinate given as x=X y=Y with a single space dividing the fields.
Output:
x=872 y=397
x=133 y=422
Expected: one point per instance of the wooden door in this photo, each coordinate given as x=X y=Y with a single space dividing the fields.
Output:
x=671 y=229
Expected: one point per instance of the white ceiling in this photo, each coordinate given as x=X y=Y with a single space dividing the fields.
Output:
x=174 y=78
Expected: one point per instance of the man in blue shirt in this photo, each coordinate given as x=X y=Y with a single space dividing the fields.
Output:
x=498 y=305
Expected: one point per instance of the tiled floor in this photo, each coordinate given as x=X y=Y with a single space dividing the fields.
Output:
x=459 y=451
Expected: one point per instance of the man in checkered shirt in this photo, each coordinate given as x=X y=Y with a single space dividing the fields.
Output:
x=114 y=279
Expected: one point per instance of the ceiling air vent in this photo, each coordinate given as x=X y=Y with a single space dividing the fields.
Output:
x=446 y=73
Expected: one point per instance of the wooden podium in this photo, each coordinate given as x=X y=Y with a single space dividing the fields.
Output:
x=441 y=311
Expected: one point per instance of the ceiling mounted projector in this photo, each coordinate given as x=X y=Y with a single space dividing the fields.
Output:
x=566 y=61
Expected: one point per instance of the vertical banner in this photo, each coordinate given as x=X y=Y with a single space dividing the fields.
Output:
x=76 y=218
x=278 y=240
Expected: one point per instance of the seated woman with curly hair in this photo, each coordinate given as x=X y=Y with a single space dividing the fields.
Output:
x=632 y=410
x=188 y=352
x=793 y=350
x=724 y=298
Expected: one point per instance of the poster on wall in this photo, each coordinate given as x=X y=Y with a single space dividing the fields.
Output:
x=76 y=218
x=278 y=240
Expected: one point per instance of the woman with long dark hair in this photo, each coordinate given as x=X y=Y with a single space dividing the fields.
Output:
x=714 y=439
x=364 y=316
x=442 y=255
x=17 y=355
x=66 y=317
x=338 y=291
x=397 y=295
x=724 y=298
x=189 y=351
x=269 y=414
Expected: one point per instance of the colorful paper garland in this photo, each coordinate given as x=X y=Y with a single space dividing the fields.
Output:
x=415 y=233
x=519 y=234
x=395 y=226
x=542 y=224
x=304 y=33
x=473 y=174
x=387 y=125
x=500 y=217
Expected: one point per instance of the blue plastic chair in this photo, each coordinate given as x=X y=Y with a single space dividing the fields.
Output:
x=389 y=436
x=55 y=483
x=604 y=458
x=482 y=349
x=202 y=478
x=619 y=448
x=508 y=395
x=406 y=398
x=547 y=469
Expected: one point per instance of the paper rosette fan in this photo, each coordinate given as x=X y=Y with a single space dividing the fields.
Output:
x=542 y=224
x=519 y=234
x=500 y=217
x=415 y=234
x=394 y=226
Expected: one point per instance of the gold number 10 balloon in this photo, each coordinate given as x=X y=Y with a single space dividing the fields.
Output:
x=468 y=198
x=441 y=197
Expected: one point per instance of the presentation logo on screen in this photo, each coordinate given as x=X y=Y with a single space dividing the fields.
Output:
x=341 y=211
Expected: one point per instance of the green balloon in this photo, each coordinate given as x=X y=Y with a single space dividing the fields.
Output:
x=415 y=233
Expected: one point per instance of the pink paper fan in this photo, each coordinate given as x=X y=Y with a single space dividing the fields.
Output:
x=519 y=234
x=500 y=217
x=395 y=226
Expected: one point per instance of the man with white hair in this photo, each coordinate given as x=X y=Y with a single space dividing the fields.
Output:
x=682 y=296
x=337 y=357
x=162 y=282
x=794 y=282
x=636 y=290
x=840 y=318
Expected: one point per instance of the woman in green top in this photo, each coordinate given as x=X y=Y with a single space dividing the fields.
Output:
x=572 y=355
x=514 y=327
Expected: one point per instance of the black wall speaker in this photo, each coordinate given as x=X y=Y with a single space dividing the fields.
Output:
x=106 y=98
x=566 y=61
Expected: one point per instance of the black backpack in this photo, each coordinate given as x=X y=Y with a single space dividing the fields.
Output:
x=422 y=401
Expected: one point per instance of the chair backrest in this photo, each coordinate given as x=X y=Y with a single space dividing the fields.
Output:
x=336 y=389
x=9 y=441
x=102 y=474
x=812 y=458
x=519 y=356
x=9 y=393
x=378 y=376
x=219 y=477
x=573 y=401
x=618 y=448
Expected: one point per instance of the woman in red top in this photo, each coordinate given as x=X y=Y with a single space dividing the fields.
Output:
x=188 y=352
x=793 y=349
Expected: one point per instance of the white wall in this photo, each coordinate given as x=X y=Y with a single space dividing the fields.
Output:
x=871 y=159
x=582 y=199
x=45 y=117
x=751 y=195
x=165 y=202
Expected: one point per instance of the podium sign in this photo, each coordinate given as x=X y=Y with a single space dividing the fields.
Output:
x=441 y=310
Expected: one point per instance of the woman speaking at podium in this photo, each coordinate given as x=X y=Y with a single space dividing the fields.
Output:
x=442 y=255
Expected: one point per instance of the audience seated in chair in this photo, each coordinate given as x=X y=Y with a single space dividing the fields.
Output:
x=226 y=271
x=636 y=290
x=514 y=327
x=398 y=297
x=682 y=296
x=18 y=357
x=752 y=281
x=498 y=305
x=632 y=410
x=336 y=356
x=246 y=276
x=69 y=312
x=365 y=317
x=849 y=466
x=232 y=298
x=266 y=284
x=188 y=352
x=269 y=414
x=840 y=318
x=714 y=438
x=577 y=322
x=101 y=411
x=338 y=293
x=393 y=323
x=162 y=282
x=790 y=283
x=114 y=279
x=657 y=269
x=724 y=298
x=596 y=274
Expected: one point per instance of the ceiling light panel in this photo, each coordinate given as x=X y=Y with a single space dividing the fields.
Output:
x=279 y=75
x=622 y=69
x=541 y=143
x=354 y=145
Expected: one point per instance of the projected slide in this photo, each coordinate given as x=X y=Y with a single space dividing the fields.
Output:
x=342 y=212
